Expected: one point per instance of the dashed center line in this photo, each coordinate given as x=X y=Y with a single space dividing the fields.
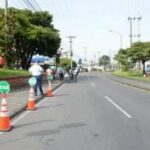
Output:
x=118 y=107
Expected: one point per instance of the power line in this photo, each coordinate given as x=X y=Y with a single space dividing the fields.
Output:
x=60 y=8
x=54 y=6
x=33 y=5
x=36 y=5
x=29 y=5
x=57 y=7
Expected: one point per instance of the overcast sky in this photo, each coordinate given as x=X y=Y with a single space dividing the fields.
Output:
x=91 y=20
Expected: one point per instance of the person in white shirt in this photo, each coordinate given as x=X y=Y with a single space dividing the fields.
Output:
x=36 y=71
x=75 y=72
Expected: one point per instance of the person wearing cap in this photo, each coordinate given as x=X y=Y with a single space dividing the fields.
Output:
x=36 y=71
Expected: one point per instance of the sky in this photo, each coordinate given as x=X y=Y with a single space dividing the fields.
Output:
x=91 y=21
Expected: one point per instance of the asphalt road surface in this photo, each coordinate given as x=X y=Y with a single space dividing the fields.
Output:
x=93 y=114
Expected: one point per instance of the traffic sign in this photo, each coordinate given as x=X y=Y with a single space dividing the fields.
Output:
x=32 y=81
x=4 y=87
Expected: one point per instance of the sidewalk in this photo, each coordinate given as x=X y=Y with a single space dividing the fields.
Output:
x=144 y=85
x=18 y=98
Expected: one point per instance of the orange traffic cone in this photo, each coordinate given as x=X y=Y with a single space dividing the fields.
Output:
x=49 y=92
x=4 y=117
x=31 y=101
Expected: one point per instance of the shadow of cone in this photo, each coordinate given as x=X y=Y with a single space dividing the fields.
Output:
x=4 y=117
x=31 y=101
x=49 y=92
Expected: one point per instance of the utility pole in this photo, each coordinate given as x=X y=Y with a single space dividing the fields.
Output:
x=138 y=23
x=71 y=50
x=6 y=9
x=98 y=58
x=6 y=25
x=138 y=35
x=131 y=34
x=85 y=54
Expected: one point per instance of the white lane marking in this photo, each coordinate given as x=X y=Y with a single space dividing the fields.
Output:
x=118 y=107
x=19 y=118
x=92 y=84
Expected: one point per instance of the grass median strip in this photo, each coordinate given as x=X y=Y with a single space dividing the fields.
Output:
x=12 y=73
x=132 y=75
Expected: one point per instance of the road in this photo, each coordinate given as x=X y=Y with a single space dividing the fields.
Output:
x=93 y=114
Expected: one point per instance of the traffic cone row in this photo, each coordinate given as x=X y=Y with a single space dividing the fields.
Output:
x=4 y=117
x=49 y=91
x=31 y=101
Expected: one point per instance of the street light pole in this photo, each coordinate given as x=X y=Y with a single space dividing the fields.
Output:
x=121 y=39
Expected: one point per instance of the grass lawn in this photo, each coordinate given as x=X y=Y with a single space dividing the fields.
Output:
x=11 y=73
x=132 y=75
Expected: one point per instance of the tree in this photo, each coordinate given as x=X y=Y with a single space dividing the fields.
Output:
x=140 y=52
x=122 y=58
x=104 y=60
x=7 y=35
x=33 y=33
x=66 y=63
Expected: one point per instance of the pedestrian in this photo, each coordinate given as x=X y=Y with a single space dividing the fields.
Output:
x=49 y=74
x=54 y=73
x=75 y=72
x=61 y=74
x=36 y=71
x=71 y=75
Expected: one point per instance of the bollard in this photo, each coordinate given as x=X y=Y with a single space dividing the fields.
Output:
x=31 y=100
x=49 y=91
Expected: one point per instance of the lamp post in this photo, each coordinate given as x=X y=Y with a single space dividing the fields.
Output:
x=119 y=34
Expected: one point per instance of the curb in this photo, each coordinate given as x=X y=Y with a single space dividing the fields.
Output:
x=23 y=108
x=131 y=85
